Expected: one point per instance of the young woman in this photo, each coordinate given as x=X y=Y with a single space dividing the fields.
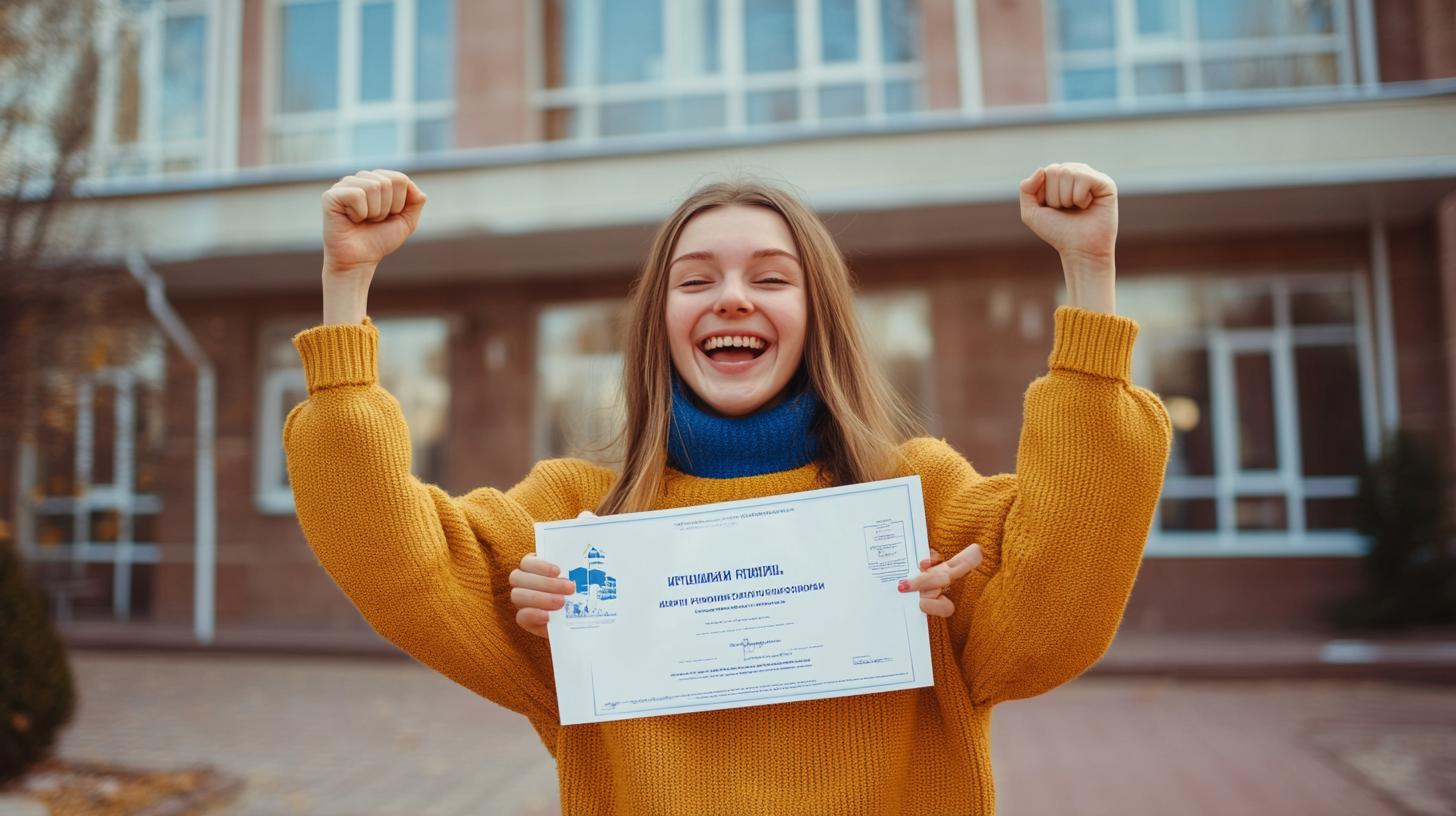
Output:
x=746 y=375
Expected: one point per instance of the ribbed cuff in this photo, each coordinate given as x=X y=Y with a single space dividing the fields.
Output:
x=339 y=354
x=1093 y=343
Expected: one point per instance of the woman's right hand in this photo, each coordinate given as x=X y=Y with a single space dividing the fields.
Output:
x=536 y=591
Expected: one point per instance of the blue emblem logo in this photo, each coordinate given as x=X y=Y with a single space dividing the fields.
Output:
x=595 y=589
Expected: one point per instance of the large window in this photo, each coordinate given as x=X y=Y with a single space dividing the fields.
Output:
x=1268 y=383
x=413 y=367
x=632 y=67
x=89 y=467
x=153 y=103
x=579 y=368
x=1135 y=49
x=360 y=79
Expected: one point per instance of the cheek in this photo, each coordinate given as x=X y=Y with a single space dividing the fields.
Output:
x=791 y=319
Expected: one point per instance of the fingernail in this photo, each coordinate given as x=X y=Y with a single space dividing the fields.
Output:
x=904 y=585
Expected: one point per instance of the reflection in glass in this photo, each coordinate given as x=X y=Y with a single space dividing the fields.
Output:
x=434 y=51
x=699 y=113
x=899 y=31
x=1322 y=306
x=1188 y=514
x=842 y=101
x=1254 y=392
x=1328 y=379
x=578 y=378
x=630 y=43
x=1261 y=513
x=1261 y=73
x=183 y=77
x=1229 y=19
x=1089 y=83
x=768 y=107
x=432 y=135
x=839 y=30
x=1330 y=514
x=310 y=40
x=375 y=140
x=1085 y=25
x=701 y=20
x=770 y=36
x=1155 y=80
x=1162 y=303
x=1180 y=376
x=413 y=367
x=1158 y=18
x=897 y=332
x=376 y=52
x=902 y=96
x=1246 y=307
x=632 y=118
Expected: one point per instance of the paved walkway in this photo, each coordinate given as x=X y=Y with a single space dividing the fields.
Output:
x=377 y=737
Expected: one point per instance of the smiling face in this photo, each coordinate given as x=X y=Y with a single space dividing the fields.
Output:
x=736 y=307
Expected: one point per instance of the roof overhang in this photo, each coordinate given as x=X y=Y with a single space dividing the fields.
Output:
x=941 y=184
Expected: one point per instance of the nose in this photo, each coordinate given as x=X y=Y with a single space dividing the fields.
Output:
x=733 y=300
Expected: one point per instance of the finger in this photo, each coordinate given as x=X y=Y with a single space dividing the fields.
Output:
x=939 y=607
x=1053 y=193
x=964 y=561
x=526 y=580
x=386 y=191
x=932 y=593
x=539 y=566
x=349 y=201
x=938 y=577
x=414 y=203
x=927 y=563
x=371 y=191
x=398 y=189
x=538 y=600
x=1082 y=191
x=533 y=620
x=1065 y=183
x=1031 y=189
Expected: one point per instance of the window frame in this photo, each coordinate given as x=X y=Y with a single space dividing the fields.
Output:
x=1229 y=481
x=732 y=80
x=150 y=148
x=403 y=111
x=1188 y=52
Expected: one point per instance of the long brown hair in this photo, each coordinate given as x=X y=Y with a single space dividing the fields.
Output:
x=864 y=420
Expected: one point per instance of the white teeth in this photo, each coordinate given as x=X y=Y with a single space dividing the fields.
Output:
x=739 y=341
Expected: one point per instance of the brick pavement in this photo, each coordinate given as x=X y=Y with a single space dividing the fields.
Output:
x=370 y=737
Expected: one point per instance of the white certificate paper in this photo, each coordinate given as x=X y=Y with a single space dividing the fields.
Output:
x=788 y=597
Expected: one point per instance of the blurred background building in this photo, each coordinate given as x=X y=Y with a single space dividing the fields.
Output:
x=1288 y=243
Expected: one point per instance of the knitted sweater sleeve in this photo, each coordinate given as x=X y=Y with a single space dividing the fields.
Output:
x=1063 y=538
x=428 y=571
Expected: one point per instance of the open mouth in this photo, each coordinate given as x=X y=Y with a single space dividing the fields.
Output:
x=733 y=348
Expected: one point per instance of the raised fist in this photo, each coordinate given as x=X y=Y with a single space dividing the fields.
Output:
x=367 y=216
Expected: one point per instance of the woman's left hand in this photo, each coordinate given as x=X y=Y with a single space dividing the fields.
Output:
x=1073 y=208
x=935 y=577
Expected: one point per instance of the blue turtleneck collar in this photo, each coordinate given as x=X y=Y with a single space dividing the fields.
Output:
x=767 y=441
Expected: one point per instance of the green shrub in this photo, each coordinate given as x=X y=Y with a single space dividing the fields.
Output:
x=37 y=696
x=1410 y=574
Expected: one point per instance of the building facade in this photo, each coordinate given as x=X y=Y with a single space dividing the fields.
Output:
x=1287 y=173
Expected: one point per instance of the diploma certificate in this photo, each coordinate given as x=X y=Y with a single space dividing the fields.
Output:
x=741 y=603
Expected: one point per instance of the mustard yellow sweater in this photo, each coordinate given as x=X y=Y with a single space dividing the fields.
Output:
x=1063 y=538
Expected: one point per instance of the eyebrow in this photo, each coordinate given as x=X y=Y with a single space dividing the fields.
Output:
x=708 y=256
